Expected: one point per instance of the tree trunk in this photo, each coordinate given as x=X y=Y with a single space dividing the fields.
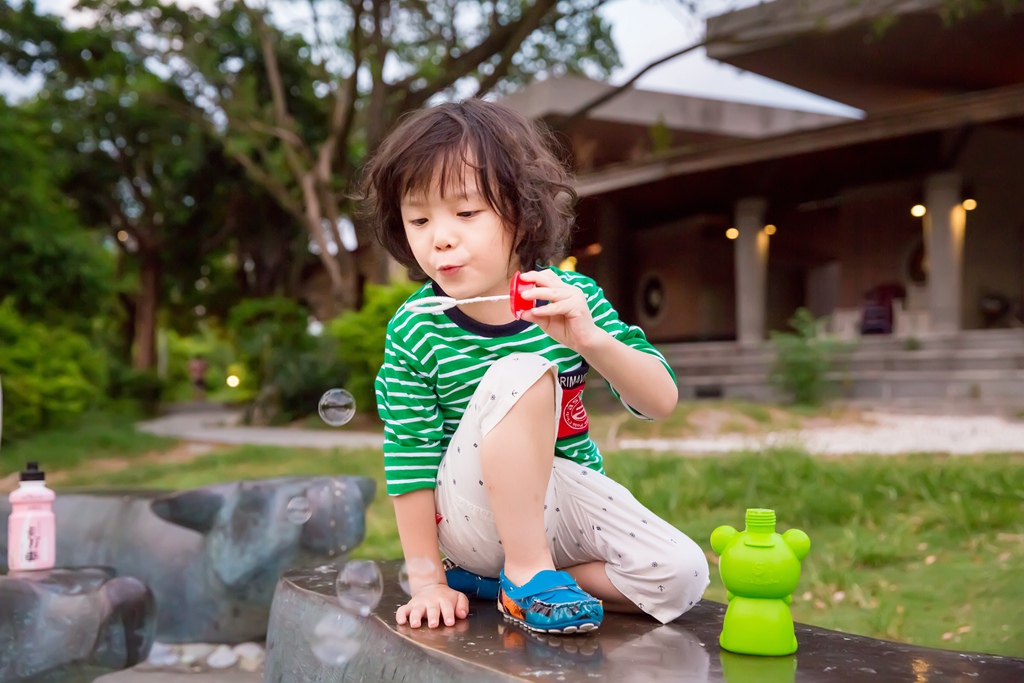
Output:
x=144 y=348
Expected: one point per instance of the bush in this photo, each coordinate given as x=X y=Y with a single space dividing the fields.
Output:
x=286 y=367
x=50 y=374
x=208 y=342
x=804 y=359
x=361 y=334
x=144 y=388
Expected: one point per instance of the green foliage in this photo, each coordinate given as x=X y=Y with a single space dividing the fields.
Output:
x=661 y=136
x=361 y=334
x=912 y=344
x=94 y=435
x=287 y=367
x=50 y=374
x=210 y=343
x=142 y=388
x=804 y=359
x=52 y=268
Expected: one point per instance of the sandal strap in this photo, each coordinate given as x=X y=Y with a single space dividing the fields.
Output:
x=542 y=582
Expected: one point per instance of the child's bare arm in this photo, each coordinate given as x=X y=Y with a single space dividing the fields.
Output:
x=640 y=378
x=431 y=599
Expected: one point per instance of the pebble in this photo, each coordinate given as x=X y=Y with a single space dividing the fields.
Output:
x=248 y=657
x=162 y=655
x=222 y=658
x=196 y=652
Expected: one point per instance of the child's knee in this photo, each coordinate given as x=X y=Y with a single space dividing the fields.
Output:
x=670 y=582
x=541 y=393
x=521 y=381
x=689 y=578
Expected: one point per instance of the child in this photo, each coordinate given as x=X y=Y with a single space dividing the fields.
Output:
x=487 y=451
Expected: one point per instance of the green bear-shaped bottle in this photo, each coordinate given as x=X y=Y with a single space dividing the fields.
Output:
x=760 y=570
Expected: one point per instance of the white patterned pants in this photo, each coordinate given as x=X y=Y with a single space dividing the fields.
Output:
x=587 y=516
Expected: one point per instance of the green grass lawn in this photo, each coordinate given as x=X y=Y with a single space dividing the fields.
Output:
x=99 y=435
x=921 y=548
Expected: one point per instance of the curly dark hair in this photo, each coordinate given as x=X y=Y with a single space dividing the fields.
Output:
x=517 y=174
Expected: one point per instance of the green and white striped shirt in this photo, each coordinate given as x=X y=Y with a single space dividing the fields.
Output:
x=434 y=362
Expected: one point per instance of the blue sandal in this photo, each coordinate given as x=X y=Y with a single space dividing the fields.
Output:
x=472 y=585
x=550 y=602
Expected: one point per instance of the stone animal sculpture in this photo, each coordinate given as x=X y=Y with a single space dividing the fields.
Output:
x=212 y=555
x=72 y=624
x=760 y=570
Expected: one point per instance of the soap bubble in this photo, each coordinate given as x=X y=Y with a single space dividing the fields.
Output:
x=420 y=569
x=334 y=651
x=298 y=510
x=331 y=638
x=359 y=586
x=337 y=625
x=403 y=579
x=337 y=407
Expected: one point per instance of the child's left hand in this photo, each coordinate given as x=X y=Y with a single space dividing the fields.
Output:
x=566 y=318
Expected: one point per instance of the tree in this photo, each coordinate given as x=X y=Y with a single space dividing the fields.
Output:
x=183 y=214
x=301 y=108
x=54 y=270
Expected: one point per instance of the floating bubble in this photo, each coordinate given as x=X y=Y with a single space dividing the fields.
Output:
x=420 y=570
x=359 y=586
x=337 y=626
x=337 y=407
x=298 y=510
x=330 y=638
x=403 y=579
x=335 y=651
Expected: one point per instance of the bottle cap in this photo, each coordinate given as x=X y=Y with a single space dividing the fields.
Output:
x=516 y=301
x=33 y=473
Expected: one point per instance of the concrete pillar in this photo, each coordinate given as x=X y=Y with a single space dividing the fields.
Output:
x=944 y=223
x=751 y=247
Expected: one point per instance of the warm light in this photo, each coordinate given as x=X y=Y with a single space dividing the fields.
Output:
x=918 y=210
x=769 y=229
x=233 y=381
x=970 y=204
x=592 y=249
x=568 y=264
x=732 y=233
x=122 y=235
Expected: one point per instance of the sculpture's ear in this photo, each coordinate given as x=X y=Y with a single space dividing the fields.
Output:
x=721 y=537
x=798 y=542
x=195 y=509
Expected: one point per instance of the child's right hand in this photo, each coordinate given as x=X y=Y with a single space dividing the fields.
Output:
x=434 y=603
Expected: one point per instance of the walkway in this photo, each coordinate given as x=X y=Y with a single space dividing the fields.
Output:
x=220 y=425
x=883 y=433
x=880 y=433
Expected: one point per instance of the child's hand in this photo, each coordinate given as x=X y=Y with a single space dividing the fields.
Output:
x=434 y=603
x=566 y=319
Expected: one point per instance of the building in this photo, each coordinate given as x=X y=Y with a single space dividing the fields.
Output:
x=908 y=222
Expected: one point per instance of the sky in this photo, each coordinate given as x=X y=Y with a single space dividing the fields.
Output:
x=645 y=30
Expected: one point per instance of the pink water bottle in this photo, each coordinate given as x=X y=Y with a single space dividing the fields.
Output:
x=31 y=534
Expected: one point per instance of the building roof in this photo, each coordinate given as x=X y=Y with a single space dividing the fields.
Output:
x=875 y=54
x=558 y=97
x=949 y=113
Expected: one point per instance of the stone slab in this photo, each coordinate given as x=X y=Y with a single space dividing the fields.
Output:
x=72 y=625
x=485 y=648
x=211 y=555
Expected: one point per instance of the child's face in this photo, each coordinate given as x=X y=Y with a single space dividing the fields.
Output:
x=459 y=241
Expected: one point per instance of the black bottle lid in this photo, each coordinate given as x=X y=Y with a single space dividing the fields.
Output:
x=33 y=473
